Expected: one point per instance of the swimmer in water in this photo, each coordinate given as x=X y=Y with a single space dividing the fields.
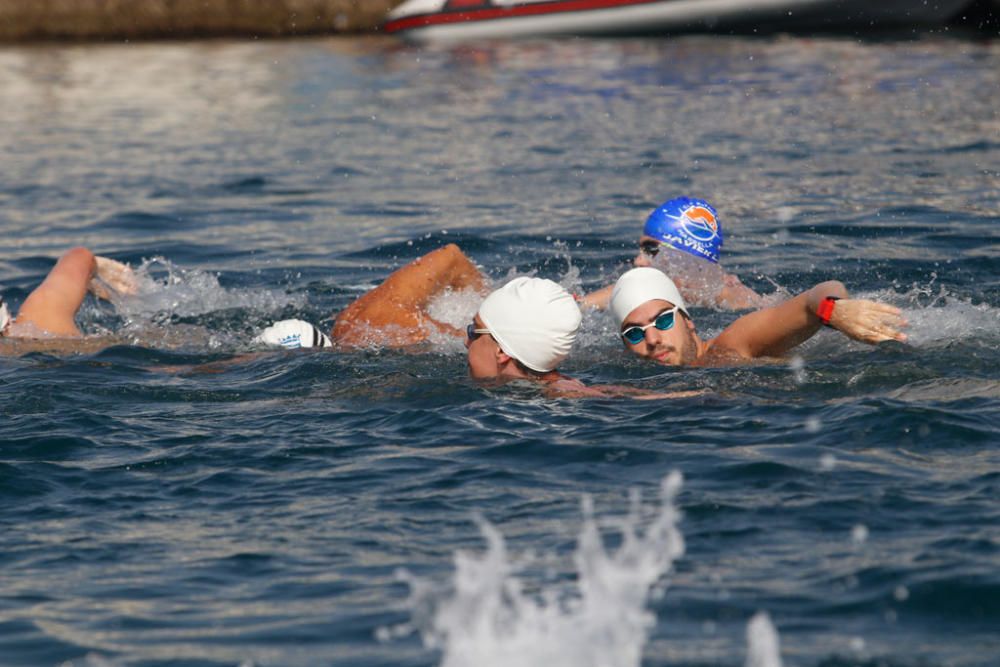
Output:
x=683 y=237
x=522 y=330
x=654 y=323
x=47 y=318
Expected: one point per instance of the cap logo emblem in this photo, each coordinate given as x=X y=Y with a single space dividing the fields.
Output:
x=699 y=222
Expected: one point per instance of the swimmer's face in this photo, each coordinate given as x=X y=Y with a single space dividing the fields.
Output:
x=483 y=353
x=673 y=347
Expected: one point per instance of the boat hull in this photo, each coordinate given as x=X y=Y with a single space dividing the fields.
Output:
x=468 y=21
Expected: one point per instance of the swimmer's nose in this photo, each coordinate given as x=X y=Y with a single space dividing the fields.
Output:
x=642 y=259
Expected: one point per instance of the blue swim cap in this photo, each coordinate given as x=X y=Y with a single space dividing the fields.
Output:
x=691 y=225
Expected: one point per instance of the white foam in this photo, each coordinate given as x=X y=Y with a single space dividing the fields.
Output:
x=92 y=660
x=703 y=281
x=166 y=292
x=487 y=619
x=456 y=308
x=938 y=315
x=763 y=646
x=166 y=289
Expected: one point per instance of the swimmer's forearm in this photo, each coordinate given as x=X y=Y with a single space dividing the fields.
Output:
x=737 y=296
x=771 y=332
x=598 y=299
x=414 y=285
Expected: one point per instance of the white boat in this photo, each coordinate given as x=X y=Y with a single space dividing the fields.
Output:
x=434 y=20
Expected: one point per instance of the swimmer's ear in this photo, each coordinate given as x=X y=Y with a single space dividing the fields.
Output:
x=502 y=357
x=689 y=322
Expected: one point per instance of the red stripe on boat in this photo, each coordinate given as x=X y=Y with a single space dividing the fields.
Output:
x=492 y=12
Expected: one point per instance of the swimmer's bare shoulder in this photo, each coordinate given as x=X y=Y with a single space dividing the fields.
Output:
x=718 y=355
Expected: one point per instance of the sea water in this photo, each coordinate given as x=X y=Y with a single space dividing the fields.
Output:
x=179 y=498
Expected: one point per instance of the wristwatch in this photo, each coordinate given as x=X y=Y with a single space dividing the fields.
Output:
x=825 y=310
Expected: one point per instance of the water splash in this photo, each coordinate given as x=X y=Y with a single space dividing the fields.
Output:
x=949 y=318
x=91 y=660
x=703 y=281
x=763 y=647
x=168 y=290
x=218 y=318
x=487 y=619
x=456 y=308
x=937 y=317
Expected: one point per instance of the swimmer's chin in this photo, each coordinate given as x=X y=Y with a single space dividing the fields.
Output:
x=663 y=358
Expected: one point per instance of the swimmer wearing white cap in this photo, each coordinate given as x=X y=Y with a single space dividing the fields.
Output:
x=654 y=322
x=524 y=330
x=50 y=310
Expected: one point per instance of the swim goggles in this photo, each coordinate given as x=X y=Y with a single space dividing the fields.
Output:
x=664 y=322
x=650 y=248
x=473 y=333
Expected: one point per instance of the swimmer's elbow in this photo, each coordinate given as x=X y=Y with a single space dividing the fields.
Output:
x=79 y=254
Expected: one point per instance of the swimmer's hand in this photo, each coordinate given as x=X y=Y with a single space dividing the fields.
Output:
x=571 y=388
x=868 y=321
x=670 y=394
x=112 y=279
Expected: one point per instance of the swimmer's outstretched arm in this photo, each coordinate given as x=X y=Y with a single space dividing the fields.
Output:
x=52 y=305
x=773 y=331
x=597 y=299
x=398 y=306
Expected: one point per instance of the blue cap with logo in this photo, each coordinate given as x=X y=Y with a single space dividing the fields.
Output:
x=688 y=224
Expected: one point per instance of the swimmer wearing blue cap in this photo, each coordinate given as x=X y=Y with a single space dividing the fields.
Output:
x=49 y=312
x=654 y=323
x=683 y=237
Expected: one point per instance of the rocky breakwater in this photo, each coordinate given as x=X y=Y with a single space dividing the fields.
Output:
x=39 y=20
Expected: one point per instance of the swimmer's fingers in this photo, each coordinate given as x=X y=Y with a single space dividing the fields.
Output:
x=98 y=288
x=117 y=277
x=868 y=321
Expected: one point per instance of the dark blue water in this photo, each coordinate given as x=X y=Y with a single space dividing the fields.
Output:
x=258 y=512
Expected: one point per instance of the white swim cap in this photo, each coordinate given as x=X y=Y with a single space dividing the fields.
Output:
x=4 y=316
x=533 y=320
x=293 y=334
x=640 y=285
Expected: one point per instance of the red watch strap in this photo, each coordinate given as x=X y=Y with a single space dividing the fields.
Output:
x=825 y=309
